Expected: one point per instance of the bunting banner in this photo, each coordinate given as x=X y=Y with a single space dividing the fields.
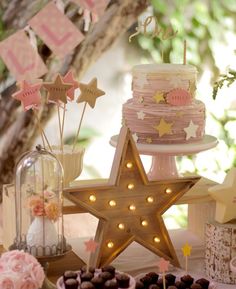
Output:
x=56 y=30
x=95 y=6
x=21 y=58
x=19 y=52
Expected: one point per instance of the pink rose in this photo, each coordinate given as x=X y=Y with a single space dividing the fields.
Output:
x=37 y=206
x=37 y=274
x=28 y=284
x=8 y=281
x=16 y=266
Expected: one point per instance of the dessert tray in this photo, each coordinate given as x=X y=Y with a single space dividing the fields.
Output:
x=60 y=282
x=178 y=275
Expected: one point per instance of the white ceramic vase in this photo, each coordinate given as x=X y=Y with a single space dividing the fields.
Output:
x=42 y=234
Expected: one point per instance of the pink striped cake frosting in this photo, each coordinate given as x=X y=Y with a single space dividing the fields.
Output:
x=163 y=108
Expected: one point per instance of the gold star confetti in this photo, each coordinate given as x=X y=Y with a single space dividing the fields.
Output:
x=57 y=90
x=90 y=92
x=158 y=97
x=164 y=127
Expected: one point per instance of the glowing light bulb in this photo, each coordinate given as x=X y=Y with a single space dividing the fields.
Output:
x=92 y=198
x=121 y=226
x=110 y=245
x=112 y=203
x=150 y=199
x=132 y=208
x=130 y=186
x=144 y=223
x=156 y=239
x=168 y=191
x=129 y=165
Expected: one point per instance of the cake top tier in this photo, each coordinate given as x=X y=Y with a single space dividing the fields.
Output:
x=165 y=68
x=174 y=84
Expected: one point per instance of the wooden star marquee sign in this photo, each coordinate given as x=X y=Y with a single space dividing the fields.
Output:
x=130 y=207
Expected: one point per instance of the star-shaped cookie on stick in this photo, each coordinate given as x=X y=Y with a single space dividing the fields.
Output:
x=29 y=95
x=90 y=92
x=57 y=90
x=69 y=79
x=225 y=196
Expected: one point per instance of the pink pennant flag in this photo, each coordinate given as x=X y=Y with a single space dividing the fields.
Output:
x=21 y=57
x=95 y=6
x=56 y=30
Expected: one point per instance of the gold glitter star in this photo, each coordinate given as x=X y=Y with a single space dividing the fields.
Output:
x=90 y=92
x=164 y=127
x=158 y=97
x=186 y=249
x=148 y=140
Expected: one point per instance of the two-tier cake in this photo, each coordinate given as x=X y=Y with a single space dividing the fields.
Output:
x=163 y=109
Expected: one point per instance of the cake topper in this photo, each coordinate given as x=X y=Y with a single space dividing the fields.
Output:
x=91 y=247
x=163 y=34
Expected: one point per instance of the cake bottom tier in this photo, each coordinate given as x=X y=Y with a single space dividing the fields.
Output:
x=165 y=124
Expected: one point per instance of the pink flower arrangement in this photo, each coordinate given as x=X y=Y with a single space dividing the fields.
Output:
x=44 y=206
x=20 y=270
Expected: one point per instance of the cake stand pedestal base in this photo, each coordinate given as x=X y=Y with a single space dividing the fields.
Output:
x=163 y=167
x=163 y=155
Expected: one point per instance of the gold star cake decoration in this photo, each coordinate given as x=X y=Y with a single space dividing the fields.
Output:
x=158 y=97
x=163 y=127
x=90 y=92
x=129 y=206
x=57 y=90
x=225 y=197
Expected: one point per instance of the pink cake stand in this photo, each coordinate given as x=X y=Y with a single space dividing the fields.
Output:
x=163 y=156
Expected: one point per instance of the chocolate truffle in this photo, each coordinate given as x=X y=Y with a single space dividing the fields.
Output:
x=153 y=286
x=139 y=285
x=187 y=279
x=87 y=285
x=109 y=269
x=70 y=275
x=146 y=281
x=97 y=282
x=84 y=269
x=170 y=279
x=86 y=276
x=195 y=286
x=122 y=280
x=180 y=285
x=203 y=282
x=154 y=276
x=71 y=284
x=106 y=276
x=111 y=284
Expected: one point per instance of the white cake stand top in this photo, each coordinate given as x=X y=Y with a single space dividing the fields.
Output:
x=206 y=143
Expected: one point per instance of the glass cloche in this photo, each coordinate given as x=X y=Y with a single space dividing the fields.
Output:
x=39 y=203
